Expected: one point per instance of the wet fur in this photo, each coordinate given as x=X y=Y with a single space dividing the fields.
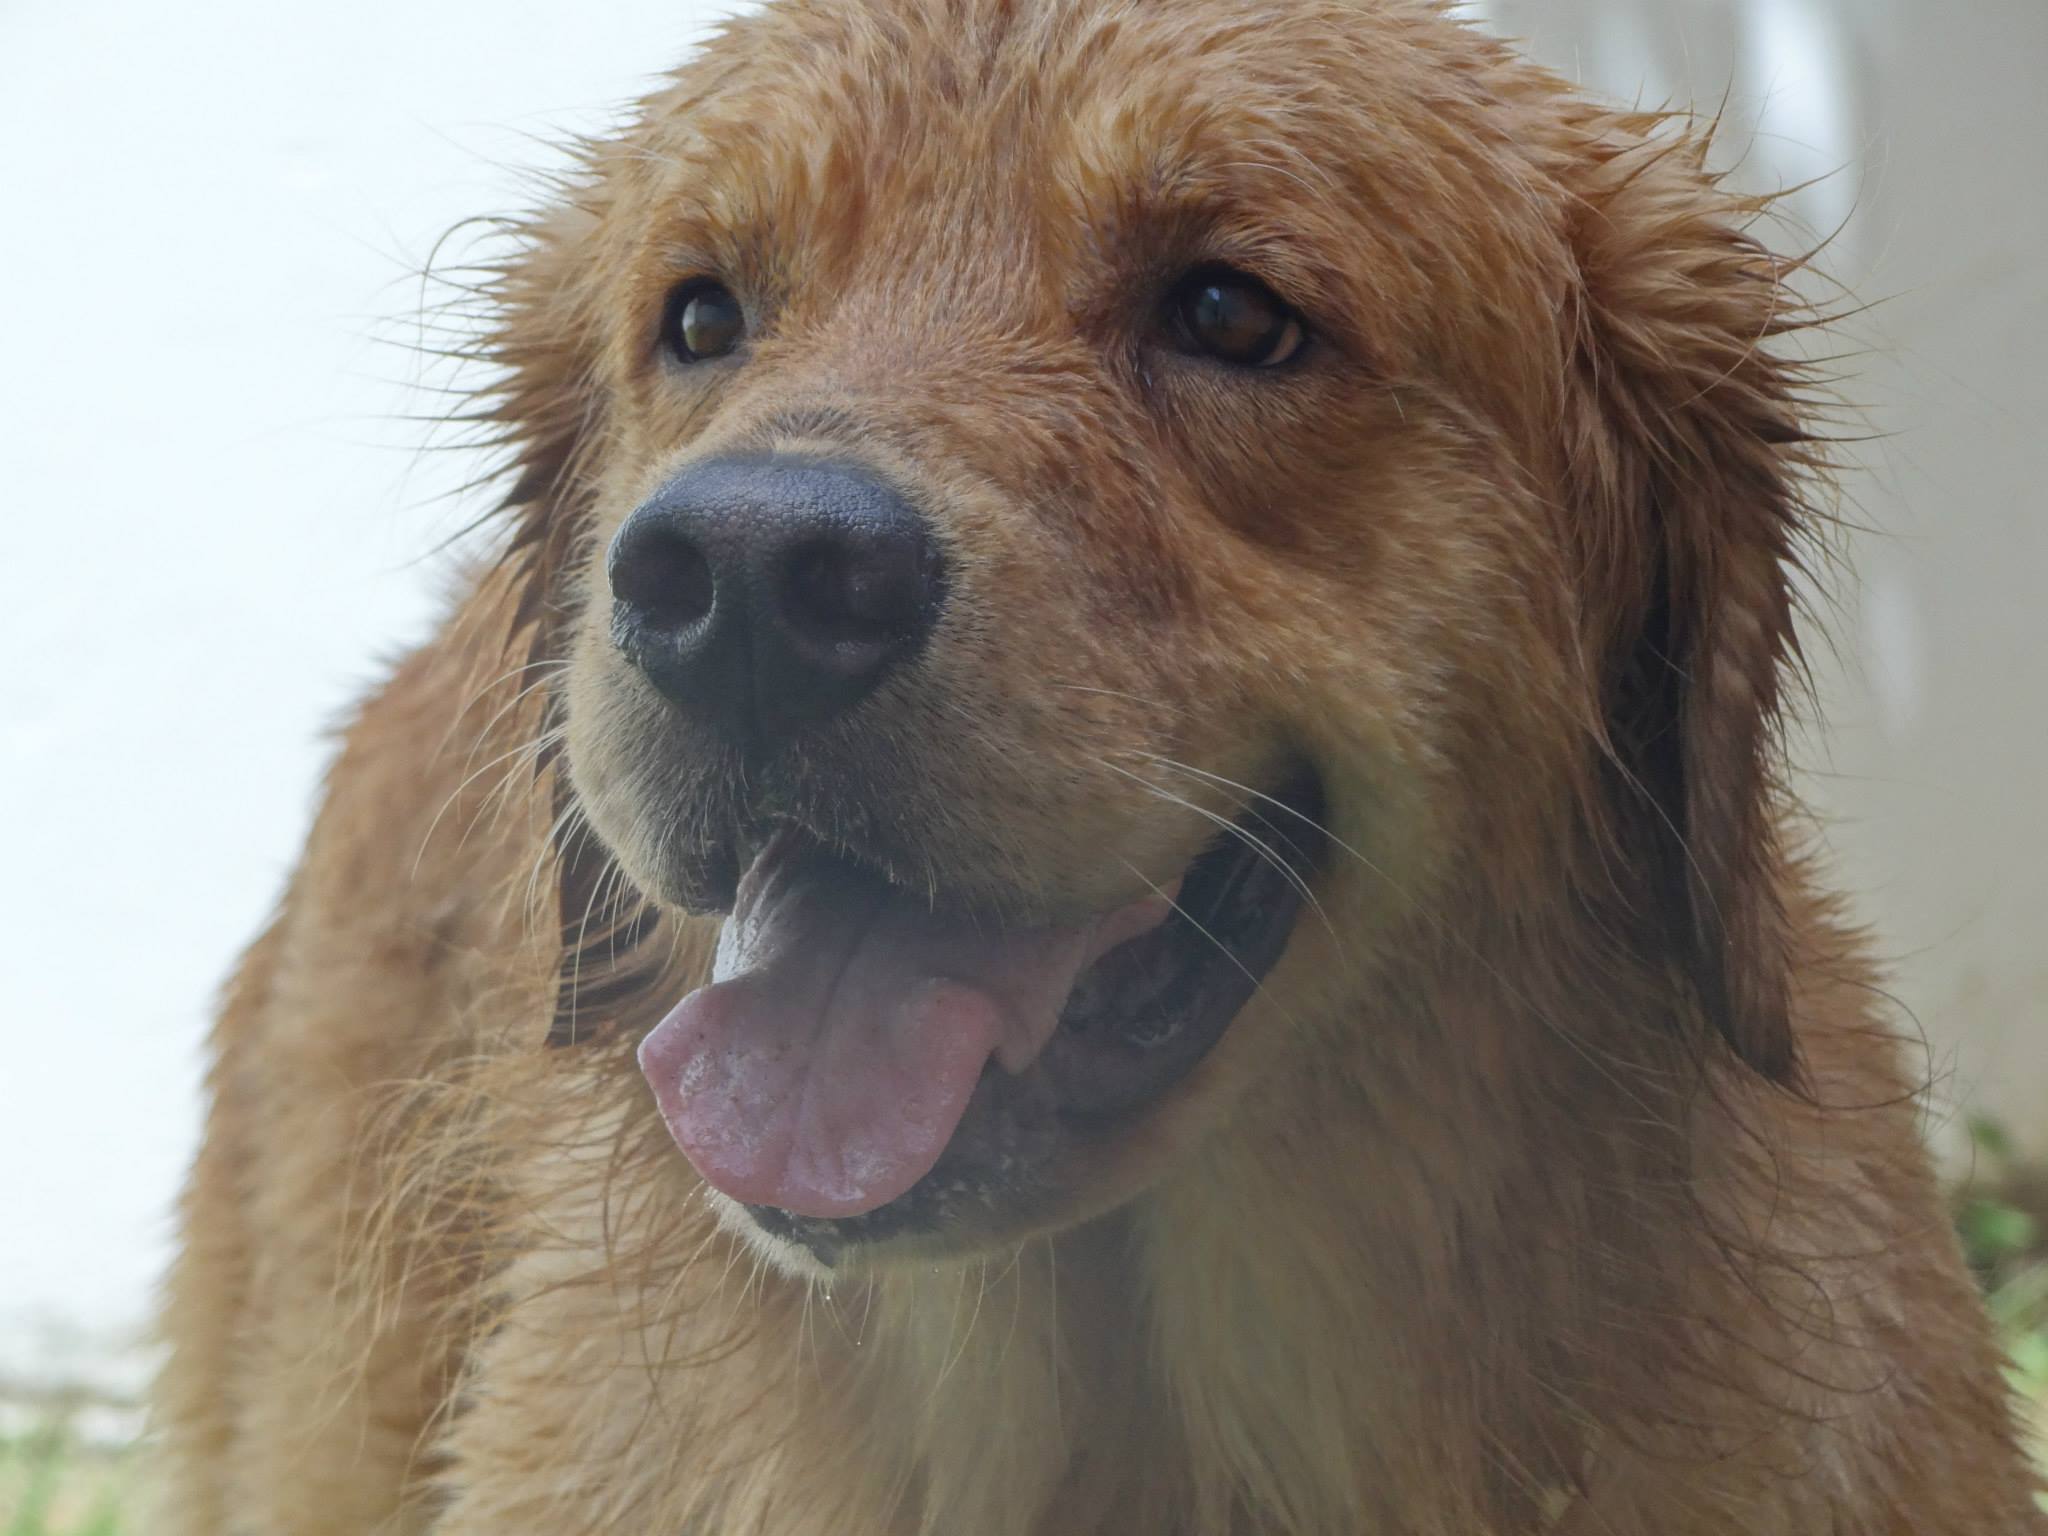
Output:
x=1565 y=1174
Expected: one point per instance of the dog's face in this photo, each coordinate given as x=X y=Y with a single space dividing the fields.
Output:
x=1091 y=522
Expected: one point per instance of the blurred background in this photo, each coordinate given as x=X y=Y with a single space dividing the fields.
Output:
x=219 y=517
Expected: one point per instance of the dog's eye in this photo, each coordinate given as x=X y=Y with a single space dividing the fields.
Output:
x=1235 y=318
x=703 y=321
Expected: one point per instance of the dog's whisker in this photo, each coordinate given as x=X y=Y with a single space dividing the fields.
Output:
x=1247 y=797
x=528 y=746
x=1155 y=705
x=525 y=752
x=1264 y=851
x=1258 y=982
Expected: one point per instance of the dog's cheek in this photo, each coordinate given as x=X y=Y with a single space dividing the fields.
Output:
x=1043 y=777
x=1044 y=707
x=609 y=743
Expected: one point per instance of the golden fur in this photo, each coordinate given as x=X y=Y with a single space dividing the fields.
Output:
x=1562 y=1177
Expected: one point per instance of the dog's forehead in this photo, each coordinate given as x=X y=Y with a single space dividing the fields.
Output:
x=1053 y=108
x=1023 y=163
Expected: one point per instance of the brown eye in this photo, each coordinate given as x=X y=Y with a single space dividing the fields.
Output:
x=704 y=321
x=1234 y=318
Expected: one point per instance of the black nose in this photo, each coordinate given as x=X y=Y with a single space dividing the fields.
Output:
x=767 y=595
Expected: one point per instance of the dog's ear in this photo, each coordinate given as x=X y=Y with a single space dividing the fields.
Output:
x=1689 y=462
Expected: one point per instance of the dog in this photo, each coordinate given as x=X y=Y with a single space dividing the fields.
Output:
x=1103 y=854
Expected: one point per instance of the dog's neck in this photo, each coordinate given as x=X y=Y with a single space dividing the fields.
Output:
x=1262 y=1343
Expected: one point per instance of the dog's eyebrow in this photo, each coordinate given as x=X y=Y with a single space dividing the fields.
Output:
x=1189 y=170
x=1184 y=210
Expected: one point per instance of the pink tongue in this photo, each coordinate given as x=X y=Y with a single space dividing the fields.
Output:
x=829 y=1061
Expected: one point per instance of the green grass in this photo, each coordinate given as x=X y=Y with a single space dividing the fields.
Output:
x=51 y=1485
x=2000 y=1218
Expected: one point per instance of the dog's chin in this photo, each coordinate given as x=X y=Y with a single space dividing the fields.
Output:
x=869 y=1078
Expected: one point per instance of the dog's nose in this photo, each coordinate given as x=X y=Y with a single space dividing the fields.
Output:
x=767 y=595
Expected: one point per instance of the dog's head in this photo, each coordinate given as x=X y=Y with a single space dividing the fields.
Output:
x=1097 y=534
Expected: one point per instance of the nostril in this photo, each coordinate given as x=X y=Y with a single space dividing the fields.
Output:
x=664 y=578
x=766 y=596
x=845 y=598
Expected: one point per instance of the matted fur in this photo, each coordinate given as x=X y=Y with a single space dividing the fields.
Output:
x=1563 y=1176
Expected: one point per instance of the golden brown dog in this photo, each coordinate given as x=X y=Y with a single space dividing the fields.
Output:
x=1105 y=859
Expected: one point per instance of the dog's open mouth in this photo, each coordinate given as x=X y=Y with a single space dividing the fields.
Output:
x=849 y=1028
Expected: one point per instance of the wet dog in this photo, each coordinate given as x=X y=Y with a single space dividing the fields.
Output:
x=1106 y=855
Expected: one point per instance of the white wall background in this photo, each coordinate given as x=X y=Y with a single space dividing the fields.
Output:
x=1921 y=119
x=210 y=526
